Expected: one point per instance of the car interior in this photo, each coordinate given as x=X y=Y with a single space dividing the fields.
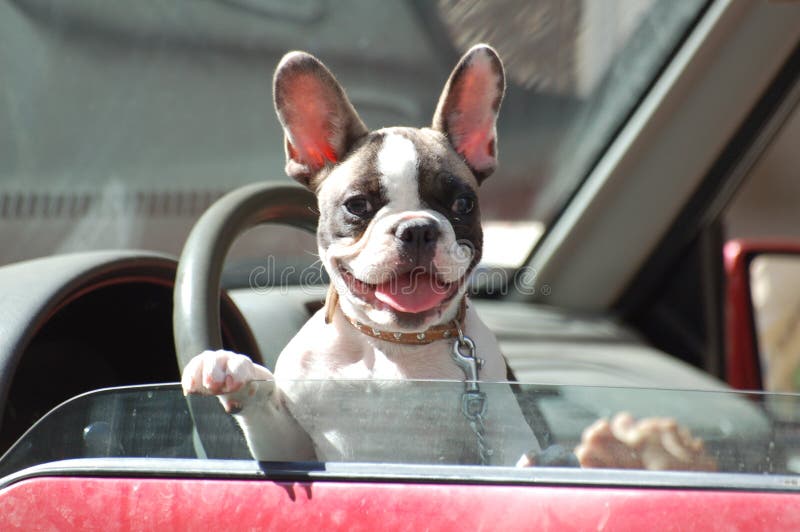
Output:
x=624 y=286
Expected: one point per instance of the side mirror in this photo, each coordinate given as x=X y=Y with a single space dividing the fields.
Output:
x=762 y=322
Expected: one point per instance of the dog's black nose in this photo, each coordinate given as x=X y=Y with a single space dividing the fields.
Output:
x=417 y=233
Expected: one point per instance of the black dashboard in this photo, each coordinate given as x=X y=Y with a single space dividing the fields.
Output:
x=79 y=322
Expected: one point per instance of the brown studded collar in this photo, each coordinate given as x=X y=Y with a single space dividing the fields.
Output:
x=437 y=332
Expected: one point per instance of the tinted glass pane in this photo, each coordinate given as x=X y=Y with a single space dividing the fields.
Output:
x=402 y=422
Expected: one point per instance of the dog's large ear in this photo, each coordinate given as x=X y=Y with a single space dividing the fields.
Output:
x=319 y=121
x=467 y=110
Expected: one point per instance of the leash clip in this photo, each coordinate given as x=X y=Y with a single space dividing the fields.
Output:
x=464 y=357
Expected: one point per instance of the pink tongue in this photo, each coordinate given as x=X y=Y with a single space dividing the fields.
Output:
x=411 y=293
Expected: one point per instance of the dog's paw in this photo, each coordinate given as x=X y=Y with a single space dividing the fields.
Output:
x=650 y=443
x=222 y=373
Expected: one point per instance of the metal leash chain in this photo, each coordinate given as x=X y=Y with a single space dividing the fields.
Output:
x=473 y=400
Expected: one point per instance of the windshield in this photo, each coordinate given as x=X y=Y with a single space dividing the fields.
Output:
x=419 y=423
x=121 y=123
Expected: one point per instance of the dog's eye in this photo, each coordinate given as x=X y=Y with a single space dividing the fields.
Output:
x=463 y=205
x=358 y=206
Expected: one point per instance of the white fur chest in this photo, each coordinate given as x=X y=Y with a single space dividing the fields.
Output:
x=362 y=399
x=338 y=351
x=384 y=361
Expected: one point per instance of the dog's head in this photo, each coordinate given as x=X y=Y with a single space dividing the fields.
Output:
x=399 y=228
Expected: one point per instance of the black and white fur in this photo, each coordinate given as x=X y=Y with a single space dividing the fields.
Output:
x=391 y=201
x=394 y=203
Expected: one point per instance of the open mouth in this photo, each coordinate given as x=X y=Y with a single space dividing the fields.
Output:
x=413 y=292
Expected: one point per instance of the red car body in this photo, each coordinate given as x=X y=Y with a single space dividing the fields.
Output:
x=52 y=503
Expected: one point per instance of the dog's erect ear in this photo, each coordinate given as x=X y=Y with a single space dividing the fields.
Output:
x=467 y=110
x=319 y=121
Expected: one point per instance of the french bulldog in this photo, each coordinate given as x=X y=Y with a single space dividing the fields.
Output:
x=399 y=234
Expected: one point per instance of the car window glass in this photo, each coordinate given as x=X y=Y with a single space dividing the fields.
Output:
x=405 y=422
x=775 y=293
x=121 y=124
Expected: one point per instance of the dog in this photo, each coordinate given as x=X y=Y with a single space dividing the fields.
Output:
x=399 y=234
